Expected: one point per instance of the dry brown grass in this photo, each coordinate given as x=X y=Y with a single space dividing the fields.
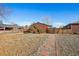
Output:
x=20 y=44
x=13 y=44
x=68 y=44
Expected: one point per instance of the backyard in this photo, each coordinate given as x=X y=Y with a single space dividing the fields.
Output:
x=19 y=44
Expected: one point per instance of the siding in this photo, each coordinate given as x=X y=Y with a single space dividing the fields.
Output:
x=75 y=28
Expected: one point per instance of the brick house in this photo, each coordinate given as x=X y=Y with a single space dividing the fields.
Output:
x=39 y=28
x=73 y=26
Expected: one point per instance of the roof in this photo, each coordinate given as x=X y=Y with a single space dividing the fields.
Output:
x=8 y=25
x=43 y=24
x=75 y=23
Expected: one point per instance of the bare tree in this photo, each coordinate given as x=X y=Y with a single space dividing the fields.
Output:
x=47 y=20
x=4 y=12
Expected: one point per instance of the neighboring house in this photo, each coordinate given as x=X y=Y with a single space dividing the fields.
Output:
x=39 y=28
x=5 y=27
x=8 y=26
x=73 y=26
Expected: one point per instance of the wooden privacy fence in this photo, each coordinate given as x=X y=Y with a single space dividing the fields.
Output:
x=63 y=31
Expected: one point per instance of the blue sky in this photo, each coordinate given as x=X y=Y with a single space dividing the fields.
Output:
x=58 y=14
